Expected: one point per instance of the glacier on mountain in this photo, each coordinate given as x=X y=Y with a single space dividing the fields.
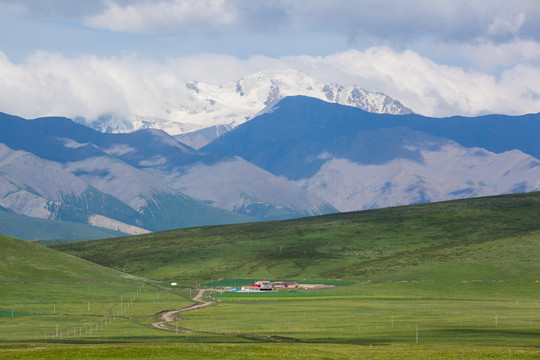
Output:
x=229 y=105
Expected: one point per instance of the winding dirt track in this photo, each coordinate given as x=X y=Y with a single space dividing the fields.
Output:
x=168 y=316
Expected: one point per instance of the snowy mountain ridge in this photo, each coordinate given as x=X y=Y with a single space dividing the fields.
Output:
x=249 y=96
x=232 y=104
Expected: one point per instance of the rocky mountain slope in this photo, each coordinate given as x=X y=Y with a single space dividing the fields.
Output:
x=303 y=156
x=358 y=160
x=133 y=182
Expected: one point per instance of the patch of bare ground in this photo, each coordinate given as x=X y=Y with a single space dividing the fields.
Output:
x=314 y=286
x=29 y=348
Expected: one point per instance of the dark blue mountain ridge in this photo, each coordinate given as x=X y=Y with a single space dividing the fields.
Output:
x=47 y=138
x=288 y=139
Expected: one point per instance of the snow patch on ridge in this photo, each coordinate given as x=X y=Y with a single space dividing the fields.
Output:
x=154 y=161
x=72 y=144
x=108 y=223
x=119 y=150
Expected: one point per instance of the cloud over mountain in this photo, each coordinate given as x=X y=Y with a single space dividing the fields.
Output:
x=131 y=59
x=131 y=87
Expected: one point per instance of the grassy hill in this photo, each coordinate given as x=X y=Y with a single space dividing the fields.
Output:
x=46 y=294
x=447 y=280
x=23 y=261
x=490 y=239
x=27 y=228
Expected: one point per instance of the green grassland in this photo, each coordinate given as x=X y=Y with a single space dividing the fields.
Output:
x=456 y=279
x=354 y=318
x=25 y=261
x=84 y=311
x=45 y=294
x=189 y=351
x=488 y=239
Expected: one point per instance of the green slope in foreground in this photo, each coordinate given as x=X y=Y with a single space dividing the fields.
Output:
x=23 y=261
x=490 y=239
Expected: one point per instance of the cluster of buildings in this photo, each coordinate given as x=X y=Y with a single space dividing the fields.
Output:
x=268 y=286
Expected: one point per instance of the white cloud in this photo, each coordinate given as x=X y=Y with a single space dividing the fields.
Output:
x=59 y=8
x=360 y=21
x=495 y=43
x=164 y=16
x=50 y=84
x=131 y=87
x=450 y=31
x=503 y=26
x=489 y=56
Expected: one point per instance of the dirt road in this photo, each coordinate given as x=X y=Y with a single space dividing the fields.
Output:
x=169 y=315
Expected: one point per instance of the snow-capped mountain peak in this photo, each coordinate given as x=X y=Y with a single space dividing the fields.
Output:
x=234 y=103
x=253 y=93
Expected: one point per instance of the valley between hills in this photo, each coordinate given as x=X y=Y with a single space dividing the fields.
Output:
x=455 y=279
x=251 y=180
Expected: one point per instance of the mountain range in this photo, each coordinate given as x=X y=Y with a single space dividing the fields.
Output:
x=302 y=156
x=359 y=160
x=208 y=110
x=134 y=182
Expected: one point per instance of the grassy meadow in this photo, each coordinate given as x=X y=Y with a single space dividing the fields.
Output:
x=384 y=244
x=50 y=296
x=456 y=279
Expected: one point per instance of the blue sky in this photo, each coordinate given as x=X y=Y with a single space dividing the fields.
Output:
x=88 y=57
